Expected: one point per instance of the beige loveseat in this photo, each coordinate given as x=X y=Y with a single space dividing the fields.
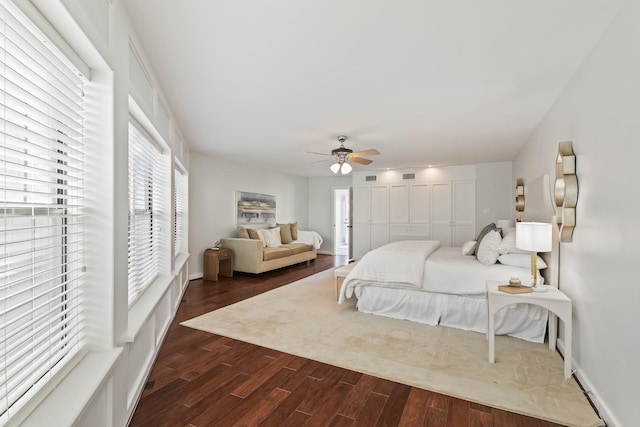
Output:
x=250 y=256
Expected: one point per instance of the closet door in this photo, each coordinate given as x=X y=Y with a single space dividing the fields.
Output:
x=419 y=203
x=379 y=215
x=464 y=211
x=441 y=213
x=361 y=221
x=399 y=204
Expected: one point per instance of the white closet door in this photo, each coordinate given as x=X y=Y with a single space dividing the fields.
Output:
x=361 y=204
x=464 y=211
x=399 y=204
x=420 y=203
x=441 y=213
x=361 y=239
x=380 y=204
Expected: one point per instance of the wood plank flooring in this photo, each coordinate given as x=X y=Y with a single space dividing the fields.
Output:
x=200 y=379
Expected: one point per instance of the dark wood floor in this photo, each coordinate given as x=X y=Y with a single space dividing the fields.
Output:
x=200 y=379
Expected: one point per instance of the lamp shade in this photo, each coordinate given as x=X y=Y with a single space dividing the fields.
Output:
x=534 y=236
x=346 y=168
x=335 y=167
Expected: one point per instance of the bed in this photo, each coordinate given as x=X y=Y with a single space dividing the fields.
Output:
x=421 y=281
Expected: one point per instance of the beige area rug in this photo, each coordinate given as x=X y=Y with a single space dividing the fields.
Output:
x=304 y=319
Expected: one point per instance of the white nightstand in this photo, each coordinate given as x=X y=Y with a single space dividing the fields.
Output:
x=558 y=304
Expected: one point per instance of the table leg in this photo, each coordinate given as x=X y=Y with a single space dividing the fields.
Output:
x=553 y=330
x=492 y=337
x=568 y=339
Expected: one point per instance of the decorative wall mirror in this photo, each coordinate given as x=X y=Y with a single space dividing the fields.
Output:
x=566 y=190
x=519 y=199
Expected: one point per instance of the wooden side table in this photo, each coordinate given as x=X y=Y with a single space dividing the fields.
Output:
x=558 y=304
x=217 y=261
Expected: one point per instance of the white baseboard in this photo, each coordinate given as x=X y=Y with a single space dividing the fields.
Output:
x=603 y=410
x=324 y=252
x=196 y=276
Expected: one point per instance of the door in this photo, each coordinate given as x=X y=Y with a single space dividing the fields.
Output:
x=342 y=230
x=441 y=207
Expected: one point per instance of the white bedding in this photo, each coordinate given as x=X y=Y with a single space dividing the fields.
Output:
x=447 y=271
x=418 y=280
x=310 y=238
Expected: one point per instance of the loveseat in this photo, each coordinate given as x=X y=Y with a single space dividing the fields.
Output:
x=254 y=255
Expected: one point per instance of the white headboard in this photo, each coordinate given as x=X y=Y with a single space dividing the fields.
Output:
x=538 y=207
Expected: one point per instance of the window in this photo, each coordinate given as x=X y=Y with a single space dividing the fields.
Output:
x=146 y=185
x=180 y=214
x=41 y=211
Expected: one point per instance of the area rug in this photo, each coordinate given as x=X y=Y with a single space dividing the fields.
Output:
x=304 y=319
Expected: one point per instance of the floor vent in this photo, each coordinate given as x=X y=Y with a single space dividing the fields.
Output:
x=149 y=385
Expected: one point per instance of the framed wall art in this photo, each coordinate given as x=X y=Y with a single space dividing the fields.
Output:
x=255 y=208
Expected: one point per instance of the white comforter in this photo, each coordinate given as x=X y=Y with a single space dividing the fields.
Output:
x=310 y=238
x=398 y=264
x=424 y=265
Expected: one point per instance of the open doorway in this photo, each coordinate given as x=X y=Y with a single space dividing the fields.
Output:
x=342 y=221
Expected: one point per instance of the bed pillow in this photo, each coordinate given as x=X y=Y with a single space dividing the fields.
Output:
x=508 y=245
x=487 y=252
x=271 y=237
x=483 y=232
x=468 y=247
x=285 y=233
x=243 y=233
x=521 y=260
x=294 y=230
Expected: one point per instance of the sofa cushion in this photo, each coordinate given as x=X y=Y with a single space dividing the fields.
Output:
x=298 y=248
x=275 y=253
x=294 y=230
x=253 y=234
x=285 y=233
x=243 y=233
x=271 y=237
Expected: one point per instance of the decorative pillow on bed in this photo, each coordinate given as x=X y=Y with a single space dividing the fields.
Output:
x=468 y=247
x=285 y=233
x=483 y=233
x=521 y=260
x=487 y=252
x=271 y=237
x=508 y=245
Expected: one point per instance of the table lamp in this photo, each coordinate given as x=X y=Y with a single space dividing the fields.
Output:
x=535 y=237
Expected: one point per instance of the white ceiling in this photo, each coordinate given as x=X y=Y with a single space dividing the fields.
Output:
x=426 y=82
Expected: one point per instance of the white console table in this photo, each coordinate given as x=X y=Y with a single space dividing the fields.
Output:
x=558 y=304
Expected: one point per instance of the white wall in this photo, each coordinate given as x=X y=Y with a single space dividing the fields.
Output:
x=600 y=112
x=494 y=193
x=212 y=186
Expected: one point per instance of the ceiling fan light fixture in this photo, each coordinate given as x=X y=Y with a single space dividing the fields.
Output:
x=346 y=168
x=335 y=167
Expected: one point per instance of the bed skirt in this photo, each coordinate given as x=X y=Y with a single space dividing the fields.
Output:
x=465 y=312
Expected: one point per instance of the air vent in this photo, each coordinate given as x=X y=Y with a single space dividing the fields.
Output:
x=408 y=176
x=371 y=178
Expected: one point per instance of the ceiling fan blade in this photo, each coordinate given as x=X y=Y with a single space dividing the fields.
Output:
x=313 y=152
x=320 y=161
x=370 y=152
x=359 y=160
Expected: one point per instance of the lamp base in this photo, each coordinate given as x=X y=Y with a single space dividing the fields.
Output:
x=539 y=288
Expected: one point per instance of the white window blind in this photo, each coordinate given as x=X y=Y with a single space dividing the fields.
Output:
x=146 y=185
x=180 y=214
x=41 y=211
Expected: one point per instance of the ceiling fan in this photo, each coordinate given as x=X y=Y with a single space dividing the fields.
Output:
x=343 y=155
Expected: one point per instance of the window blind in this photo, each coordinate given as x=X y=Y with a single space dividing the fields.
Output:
x=146 y=183
x=41 y=211
x=180 y=214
